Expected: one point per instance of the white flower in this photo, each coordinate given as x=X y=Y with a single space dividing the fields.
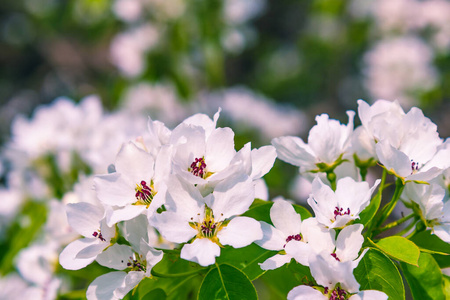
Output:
x=434 y=211
x=328 y=141
x=88 y=220
x=209 y=221
x=289 y=229
x=136 y=187
x=336 y=209
x=306 y=292
x=115 y=285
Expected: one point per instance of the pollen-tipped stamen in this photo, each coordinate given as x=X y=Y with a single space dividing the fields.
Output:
x=143 y=193
x=198 y=167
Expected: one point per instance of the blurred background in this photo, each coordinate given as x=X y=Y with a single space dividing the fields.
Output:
x=271 y=66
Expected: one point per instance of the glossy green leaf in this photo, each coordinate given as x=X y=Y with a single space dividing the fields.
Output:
x=246 y=259
x=438 y=248
x=376 y=271
x=225 y=282
x=172 y=265
x=400 y=249
x=156 y=294
x=168 y=288
x=426 y=280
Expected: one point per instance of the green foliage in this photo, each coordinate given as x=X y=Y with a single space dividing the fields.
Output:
x=228 y=283
x=376 y=271
x=425 y=280
x=399 y=248
x=260 y=210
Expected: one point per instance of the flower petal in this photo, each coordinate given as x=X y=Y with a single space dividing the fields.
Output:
x=240 y=232
x=201 y=251
x=273 y=239
x=305 y=292
x=103 y=287
x=275 y=262
x=68 y=257
x=262 y=161
x=285 y=218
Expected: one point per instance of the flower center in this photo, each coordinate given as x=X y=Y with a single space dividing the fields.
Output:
x=99 y=235
x=296 y=237
x=338 y=294
x=338 y=211
x=208 y=228
x=335 y=256
x=198 y=167
x=137 y=264
x=144 y=193
x=414 y=167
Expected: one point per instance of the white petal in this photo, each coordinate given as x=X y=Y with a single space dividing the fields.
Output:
x=125 y=213
x=293 y=150
x=300 y=251
x=262 y=161
x=219 y=149
x=273 y=239
x=92 y=250
x=173 y=227
x=443 y=232
x=285 y=218
x=232 y=197
x=115 y=257
x=131 y=280
x=112 y=189
x=349 y=242
x=134 y=164
x=275 y=262
x=369 y=295
x=84 y=217
x=318 y=237
x=393 y=159
x=240 y=232
x=305 y=292
x=103 y=287
x=201 y=251
x=322 y=201
x=68 y=257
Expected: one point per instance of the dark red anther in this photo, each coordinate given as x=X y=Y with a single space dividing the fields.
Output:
x=335 y=256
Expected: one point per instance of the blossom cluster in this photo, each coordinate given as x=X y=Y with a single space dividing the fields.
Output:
x=188 y=193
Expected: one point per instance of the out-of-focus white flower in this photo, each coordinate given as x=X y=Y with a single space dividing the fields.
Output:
x=128 y=49
x=37 y=263
x=13 y=286
x=158 y=100
x=336 y=209
x=57 y=227
x=255 y=111
x=240 y=11
x=399 y=68
x=128 y=10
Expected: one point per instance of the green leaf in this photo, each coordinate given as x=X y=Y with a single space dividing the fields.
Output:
x=261 y=211
x=446 y=286
x=246 y=259
x=376 y=271
x=173 y=266
x=226 y=282
x=168 y=288
x=400 y=249
x=156 y=294
x=370 y=211
x=425 y=281
x=429 y=241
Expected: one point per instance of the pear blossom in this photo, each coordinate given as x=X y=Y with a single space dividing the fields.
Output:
x=88 y=220
x=336 y=209
x=328 y=141
x=210 y=222
x=306 y=292
x=133 y=266
x=434 y=210
x=204 y=155
x=289 y=229
x=136 y=187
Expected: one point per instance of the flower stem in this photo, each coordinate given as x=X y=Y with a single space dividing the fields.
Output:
x=395 y=223
x=332 y=179
x=388 y=208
